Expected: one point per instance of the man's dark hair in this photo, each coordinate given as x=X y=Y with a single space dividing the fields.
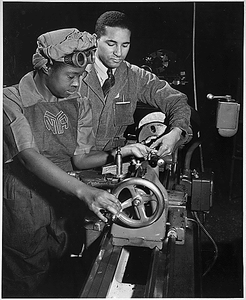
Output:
x=112 y=19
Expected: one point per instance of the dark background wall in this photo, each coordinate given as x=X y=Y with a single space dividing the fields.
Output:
x=219 y=70
x=166 y=25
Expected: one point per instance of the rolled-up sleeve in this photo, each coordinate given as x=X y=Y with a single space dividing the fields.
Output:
x=160 y=94
x=17 y=133
x=85 y=134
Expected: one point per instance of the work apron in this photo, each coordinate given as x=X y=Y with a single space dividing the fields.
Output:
x=33 y=225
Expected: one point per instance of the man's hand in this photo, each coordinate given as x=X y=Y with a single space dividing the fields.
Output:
x=98 y=200
x=167 y=142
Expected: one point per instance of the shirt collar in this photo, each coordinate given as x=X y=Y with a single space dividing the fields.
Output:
x=30 y=94
x=101 y=70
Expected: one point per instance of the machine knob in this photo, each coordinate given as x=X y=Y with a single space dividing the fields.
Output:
x=226 y=97
x=210 y=96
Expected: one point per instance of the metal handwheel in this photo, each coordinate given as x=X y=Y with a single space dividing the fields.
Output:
x=142 y=202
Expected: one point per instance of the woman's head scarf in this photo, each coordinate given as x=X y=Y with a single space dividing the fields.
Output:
x=55 y=45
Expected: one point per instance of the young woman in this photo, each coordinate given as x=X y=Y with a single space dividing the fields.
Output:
x=48 y=132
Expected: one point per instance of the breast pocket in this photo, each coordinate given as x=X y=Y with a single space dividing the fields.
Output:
x=123 y=112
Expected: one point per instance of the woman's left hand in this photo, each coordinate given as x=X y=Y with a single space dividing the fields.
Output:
x=138 y=150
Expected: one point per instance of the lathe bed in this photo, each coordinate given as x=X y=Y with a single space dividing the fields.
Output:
x=151 y=249
x=139 y=272
x=160 y=260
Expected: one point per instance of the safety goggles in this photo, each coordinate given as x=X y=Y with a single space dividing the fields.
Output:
x=81 y=59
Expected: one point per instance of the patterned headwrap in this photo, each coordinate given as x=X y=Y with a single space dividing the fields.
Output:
x=56 y=44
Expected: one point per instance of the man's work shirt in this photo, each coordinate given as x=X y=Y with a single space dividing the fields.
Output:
x=101 y=71
x=112 y=115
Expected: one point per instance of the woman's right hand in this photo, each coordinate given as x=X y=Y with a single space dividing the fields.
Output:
x=98 y=199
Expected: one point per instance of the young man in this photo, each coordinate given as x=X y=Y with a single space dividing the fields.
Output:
x=113 y=112
x=48 y=132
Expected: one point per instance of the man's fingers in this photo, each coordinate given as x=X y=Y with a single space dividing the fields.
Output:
x=155 y=144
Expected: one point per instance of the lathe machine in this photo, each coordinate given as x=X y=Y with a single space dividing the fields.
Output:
x=151 y=249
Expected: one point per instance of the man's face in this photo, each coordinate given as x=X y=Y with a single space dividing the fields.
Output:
x=113 y=46
x=64 y=80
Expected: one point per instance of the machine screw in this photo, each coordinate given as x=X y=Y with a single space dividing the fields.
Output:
x=172 y=233
x=136 y=202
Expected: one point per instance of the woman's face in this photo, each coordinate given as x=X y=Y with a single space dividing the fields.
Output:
x=64 y=80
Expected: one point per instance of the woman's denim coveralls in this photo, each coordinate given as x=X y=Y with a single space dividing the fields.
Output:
x=33 y=230
x=112 y=115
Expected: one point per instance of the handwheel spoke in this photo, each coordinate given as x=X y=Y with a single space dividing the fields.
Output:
x=127 y=203
x=147 y=198
x=141 y=213
x=137 y=212
x=132 y=190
